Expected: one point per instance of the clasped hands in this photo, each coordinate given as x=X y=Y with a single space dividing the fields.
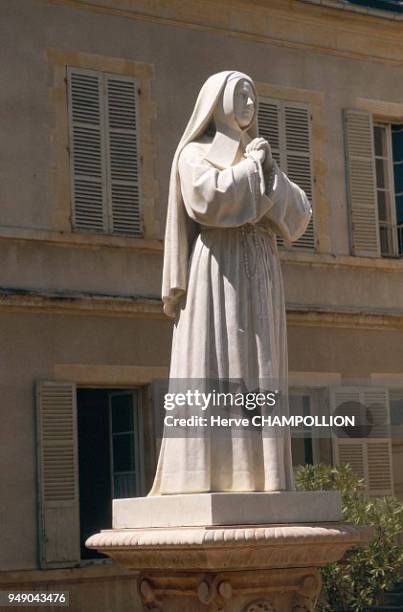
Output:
x=260 y=150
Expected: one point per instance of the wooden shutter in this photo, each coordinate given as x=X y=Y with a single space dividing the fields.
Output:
x=86 y=151
x=104 y=152
x=57 y=458
x=361 y=183
x=270 y=126
x=287 y=126
x=123 y=161
x=298 y=157
x=370 y=458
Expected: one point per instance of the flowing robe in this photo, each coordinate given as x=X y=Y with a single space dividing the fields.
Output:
x=231 y=323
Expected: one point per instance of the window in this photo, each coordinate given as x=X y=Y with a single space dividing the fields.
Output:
x=307 y=446
x=396 y=412
x=369 y=452
x=287 y=127
x=388 y=142
x=302 y=447
x=90 y=450
x=104 y=153
x=374 y=153
x=394 y=6
x=396 y=419
x=109 y=451
x=384 y=5
x=125 y=443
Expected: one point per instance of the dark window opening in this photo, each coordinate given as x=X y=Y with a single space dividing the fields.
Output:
x=396 y=412
x=397 y=151
x=302 y=447
x=388 y=143
x=383 y=5
x=109 y=445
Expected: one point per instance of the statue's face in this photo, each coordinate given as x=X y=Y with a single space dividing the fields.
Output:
x=244 y=103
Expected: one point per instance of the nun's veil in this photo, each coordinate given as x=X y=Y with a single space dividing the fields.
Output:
x=180 y=229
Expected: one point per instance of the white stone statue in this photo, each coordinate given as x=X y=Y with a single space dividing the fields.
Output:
x=222 y=283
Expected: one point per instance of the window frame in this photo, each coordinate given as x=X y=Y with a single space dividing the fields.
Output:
x=315 y=394
x=141 y=401
x=366 y=395
x=282 y=152
x=138 y=435
x=104 y=130
x=316 y=100
x=378 y=111
x=59 y=521
x=60 y=223
x=390 y=189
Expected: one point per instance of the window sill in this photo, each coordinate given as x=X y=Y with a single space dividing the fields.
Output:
x=150 y=245
x=81 y=239
x=69 y=302
x=343 y=261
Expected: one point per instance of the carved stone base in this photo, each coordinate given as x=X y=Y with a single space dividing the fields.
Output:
x=265 y=568
x=251 y=591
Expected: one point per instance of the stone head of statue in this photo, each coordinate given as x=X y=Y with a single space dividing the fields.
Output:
x=244 y=103
x=234 y=118
x=236 y=107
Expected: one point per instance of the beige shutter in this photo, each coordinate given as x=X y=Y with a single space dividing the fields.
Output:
x=297 y=121
x=361 y=183
x=59 y=528
x=87 y=164
x=352 y=452
x=270 y=122
x=104 y=152
x=270 y=126
x=287 y=126
x=123 y=156
x=370 y=458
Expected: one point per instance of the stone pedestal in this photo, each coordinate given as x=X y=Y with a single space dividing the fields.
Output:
x=231 y=568
x=209 y=509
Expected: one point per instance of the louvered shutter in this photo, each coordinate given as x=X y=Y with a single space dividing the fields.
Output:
x=298 y=159
x=57 y=458
x=86 y=151
x=370 y=458
x=270 y=126
x=104 y=152
x=361 y=183
x=353 y=453
x=287 y=126
x=123 y=159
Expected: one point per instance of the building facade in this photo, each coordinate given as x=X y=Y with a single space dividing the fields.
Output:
x=94 y=99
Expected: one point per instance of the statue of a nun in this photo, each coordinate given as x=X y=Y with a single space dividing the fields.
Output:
x=222 y=284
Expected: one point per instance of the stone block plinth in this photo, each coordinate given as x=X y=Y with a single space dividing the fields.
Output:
x=208 y=509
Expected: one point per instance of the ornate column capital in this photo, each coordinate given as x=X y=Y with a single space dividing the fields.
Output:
x=265 y=568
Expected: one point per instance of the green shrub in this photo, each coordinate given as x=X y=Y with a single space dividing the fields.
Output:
x=353 y=583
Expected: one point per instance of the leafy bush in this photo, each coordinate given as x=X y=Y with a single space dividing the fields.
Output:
x=353 y=583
